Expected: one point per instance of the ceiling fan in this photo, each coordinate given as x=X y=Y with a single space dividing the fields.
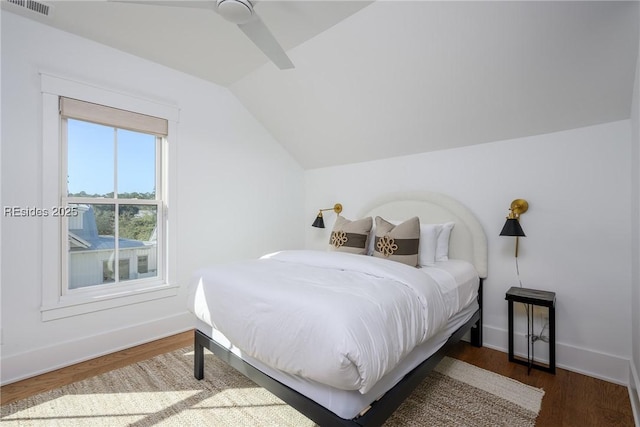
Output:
x=242 y=13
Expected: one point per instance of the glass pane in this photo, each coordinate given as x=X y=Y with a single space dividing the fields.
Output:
x=136 y=165
x=90 y=159
x=137 y=243
x=91 y=245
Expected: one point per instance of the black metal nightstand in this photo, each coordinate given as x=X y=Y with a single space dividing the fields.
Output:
x=533 y=297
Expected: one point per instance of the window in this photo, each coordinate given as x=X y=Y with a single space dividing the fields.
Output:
x=113 y=192
x=143 y=264
x=106 y=240
x=109 y=271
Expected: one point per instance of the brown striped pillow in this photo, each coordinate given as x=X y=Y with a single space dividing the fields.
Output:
x=398 y=242
x=350 y=236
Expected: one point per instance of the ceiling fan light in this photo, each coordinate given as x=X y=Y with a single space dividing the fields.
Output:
x=236 y=11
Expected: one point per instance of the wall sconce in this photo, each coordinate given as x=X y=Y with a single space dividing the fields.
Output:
x=319 y=222
x=512 y=226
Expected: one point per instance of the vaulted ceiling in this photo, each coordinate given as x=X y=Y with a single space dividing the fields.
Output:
x=390 y=78
x=192 y=38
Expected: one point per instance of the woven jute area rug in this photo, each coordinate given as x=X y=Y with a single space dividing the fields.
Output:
x=163 y=392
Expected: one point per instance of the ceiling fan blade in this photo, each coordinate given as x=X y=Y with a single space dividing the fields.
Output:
x=255 y=29
x=196 y=4
x=262 y=37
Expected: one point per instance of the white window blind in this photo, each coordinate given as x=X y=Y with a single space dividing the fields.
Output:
x=100 y=114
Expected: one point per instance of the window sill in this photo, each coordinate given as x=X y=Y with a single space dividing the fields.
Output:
x=77 y=305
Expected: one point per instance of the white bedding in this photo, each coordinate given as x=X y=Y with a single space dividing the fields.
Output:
x=339 y=319
x=458 y=281
x=348 y=404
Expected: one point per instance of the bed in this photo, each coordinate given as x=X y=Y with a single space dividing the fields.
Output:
x=312 y=362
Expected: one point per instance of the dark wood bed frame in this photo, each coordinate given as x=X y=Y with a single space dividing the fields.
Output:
x=378 y=412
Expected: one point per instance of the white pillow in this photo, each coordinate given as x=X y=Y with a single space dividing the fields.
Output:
x=442 y=246
x=429 y=238
x=428 y=243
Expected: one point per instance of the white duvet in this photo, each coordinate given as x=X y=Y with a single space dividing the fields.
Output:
x=340 y=319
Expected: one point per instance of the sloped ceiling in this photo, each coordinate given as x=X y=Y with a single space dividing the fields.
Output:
x=391 y=78
x=191 y=38
x=400 y=78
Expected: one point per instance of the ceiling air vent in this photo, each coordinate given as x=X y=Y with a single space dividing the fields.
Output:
x=32 y=5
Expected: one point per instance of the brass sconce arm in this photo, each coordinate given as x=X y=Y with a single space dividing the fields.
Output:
x=337 y=208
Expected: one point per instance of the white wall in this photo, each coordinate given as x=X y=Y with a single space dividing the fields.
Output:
x=634 y=376
x=239 y=194
x=577 y=183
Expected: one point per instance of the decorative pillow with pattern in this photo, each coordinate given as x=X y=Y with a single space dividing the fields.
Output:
x=398 y=242
x=350 y=236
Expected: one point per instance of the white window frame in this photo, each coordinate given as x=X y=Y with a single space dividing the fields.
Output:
x=56 y=303
x=79 y=112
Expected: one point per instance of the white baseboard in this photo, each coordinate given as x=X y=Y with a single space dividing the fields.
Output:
x=585 y=361
x=45 y=359
x=25 y=365
x=634 y=391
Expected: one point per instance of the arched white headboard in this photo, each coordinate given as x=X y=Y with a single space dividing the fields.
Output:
x=467 y=242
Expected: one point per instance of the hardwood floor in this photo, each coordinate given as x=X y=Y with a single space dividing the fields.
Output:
x=570 y=399
x=49 y=381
